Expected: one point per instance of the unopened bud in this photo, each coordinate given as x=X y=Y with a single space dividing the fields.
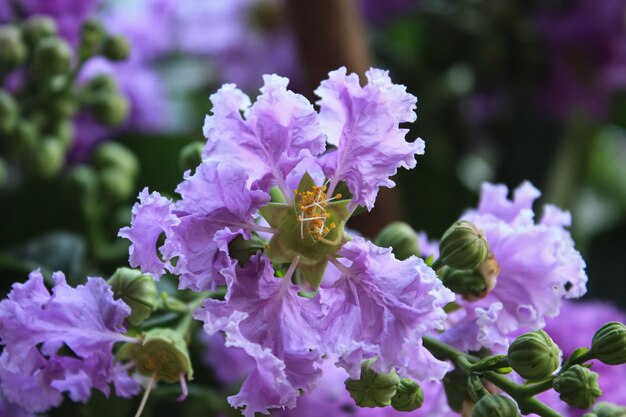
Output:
x=372 y=389
x=190 y=156
x=409 y=396
x=463 y=246
x=81 y=179
x=24 y=138
x=117 y=184
x=534 y=355
x=401 y=238
x=137 y=290
x=8 y=112
x=472 y=284
x=578 y=386
x=162 y=353
x=116 y=155
x=110 y=109
x=12 y=48
x=92 y=34
x=102 y=83
x=52 y=56
x=609 y=344
x=64 y=131
x=116 y=48
x=495 y=406
x=47 y=159
x=37 y=28
x=4 y=174
x=64 y=107
x=605 y=409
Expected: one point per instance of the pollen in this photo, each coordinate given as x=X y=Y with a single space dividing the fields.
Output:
x=313 y=214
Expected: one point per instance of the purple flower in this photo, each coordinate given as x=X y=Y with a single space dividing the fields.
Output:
x=216 y=206
x=35 y=325
x=362 y=122
x=586 y=49
x=381 y=307
x=279 y=131
x=539 y=266
x=230 y=364
x=265 y=316
x=8 y=409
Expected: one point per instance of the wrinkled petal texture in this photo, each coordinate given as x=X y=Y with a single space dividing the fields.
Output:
x=35 y=325
x=382 y=307
x=265 y=316
x=539 y=266
x=271 y=136
x=363 y=123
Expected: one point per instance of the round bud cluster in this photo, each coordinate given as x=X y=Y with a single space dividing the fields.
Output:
x=36 y=112
x=578 y=386
x=609 y=344
x=372 y=389
x=401 y=238
x=534 y=355
x=495 y=406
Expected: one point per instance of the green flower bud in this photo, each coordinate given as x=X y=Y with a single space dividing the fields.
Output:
x=372 y=389
x=578 y=386
x=401 y=238
x=64 y=107
x=495 y=406
x=455 y=386
x=163 y=353
x=102 y=84
x=37 y=28
x=409 y=396
x=4 y=174
x=609 y=344
x=116 y=155
x=242 y=249
x=8 y=112
x=137 y=290
x=92 y=34
x=110 y=109
x=47 y=159
x=473 y=284
x=64 y=131
x=534 y=355
x=81 y=180
x=463 y=246
x=604 y=409
x=117 y=184
x=12 y=48
x=24 y=138
x=190 y=156
x=116 y=48
x=52 y=56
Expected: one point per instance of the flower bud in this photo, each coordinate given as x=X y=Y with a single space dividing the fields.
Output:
x=190 y=156
x=117 y=184
x=162 y=353
x=534 y=355
x=8 y=112
x=81 y=180
x=52 y=56
x=372 y=389
x=64 y=131
x=4 y=174
x=609 y=344
x=409 y=396
x=116 y=155
x=37 y=28
x=604 y=409
x=495 y=406
x=401 y=238
x=47 y=159
x=137 y=290
x=102 y=83
x=578 y=387
x=92 y=34
x=110 y=109
x=63 y=107
x=116 y=48
x=473 y=284
x=12 y=49
x=24 y=138
x=463 y=246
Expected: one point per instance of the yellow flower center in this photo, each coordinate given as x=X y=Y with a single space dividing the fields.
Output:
x=311 y=212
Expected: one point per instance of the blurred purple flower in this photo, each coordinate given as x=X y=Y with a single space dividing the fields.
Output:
x=36 y=326
x=586 y=51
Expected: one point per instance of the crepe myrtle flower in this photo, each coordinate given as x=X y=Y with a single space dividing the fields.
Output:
x=538 y=269
x=61 y=342
x=310 y=291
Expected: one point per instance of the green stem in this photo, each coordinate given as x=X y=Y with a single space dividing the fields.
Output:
x=464 y=361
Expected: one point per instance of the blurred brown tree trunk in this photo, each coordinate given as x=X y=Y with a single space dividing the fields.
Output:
x=330 y=34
